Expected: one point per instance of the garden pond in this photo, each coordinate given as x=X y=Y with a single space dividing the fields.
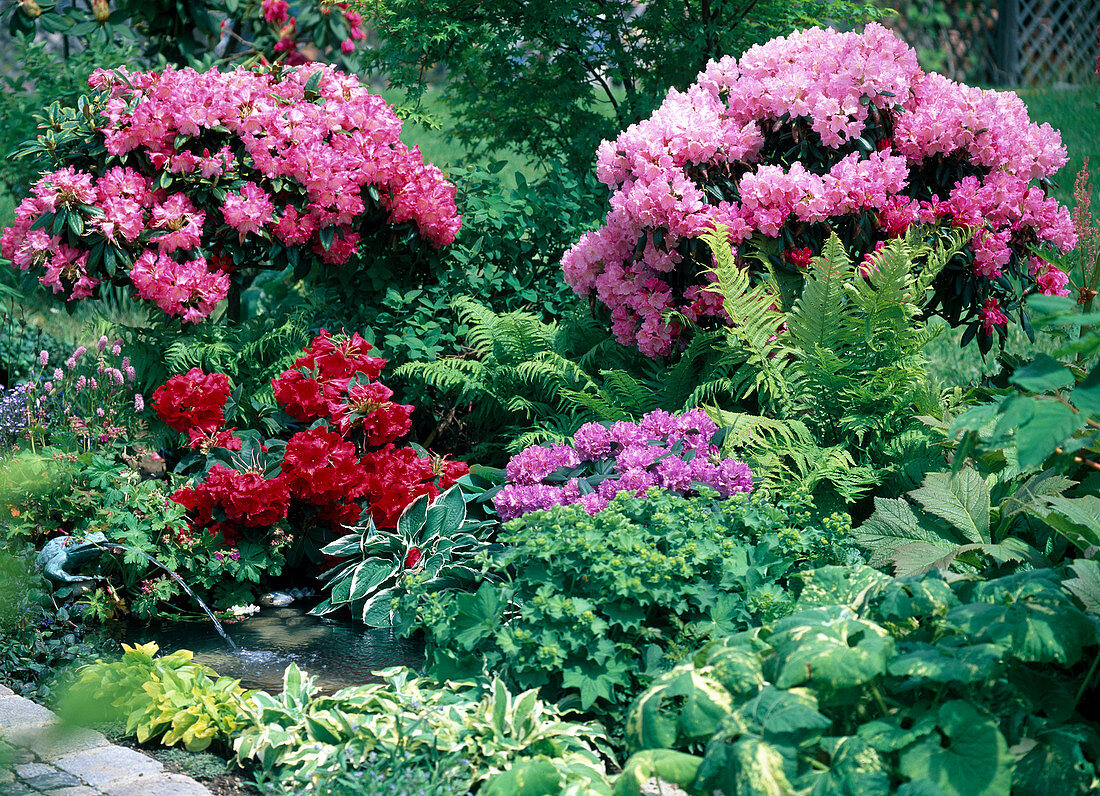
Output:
x=339 y=654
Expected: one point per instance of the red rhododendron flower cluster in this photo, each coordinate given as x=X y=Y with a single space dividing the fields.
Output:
x=323 y=476
x=193 y=402
x=199 y=171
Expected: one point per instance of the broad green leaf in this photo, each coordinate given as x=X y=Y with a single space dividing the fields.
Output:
x=897 y=730
x=967 y=757
x=833 y=585
x=477 y=615
x=1086 y=395
x=683 y=706
x=855 y=767
x=1078 y=519
x=737 y=668
x=1028 y=630
x=665 y=764
x=914 y=597
x=785 y=718
x=1050 y=425
x=1058 y=763
x=747 y=767
x=368 y=576
x=892 y=525
x=531 y=777
x=942 y=663
x=412 y=518
x=1043 y=374
x=828 y=647
x=1086 y=585
x=961 y=499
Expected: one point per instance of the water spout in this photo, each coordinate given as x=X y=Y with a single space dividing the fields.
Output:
x=113 y=547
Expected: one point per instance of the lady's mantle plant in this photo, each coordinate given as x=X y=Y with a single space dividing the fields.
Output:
x=678 y=453
x=323 y=475
x=179 y=183
x=816 y=132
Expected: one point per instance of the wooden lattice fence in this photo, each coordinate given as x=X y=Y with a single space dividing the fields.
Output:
x=1056 y=41
x=1004 y=42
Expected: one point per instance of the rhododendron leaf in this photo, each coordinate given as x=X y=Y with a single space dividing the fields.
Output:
x=313 y=82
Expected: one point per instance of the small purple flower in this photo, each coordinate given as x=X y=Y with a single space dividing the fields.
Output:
x=43 y=358
x=58 y=374
x=80 y=351
x=99 y=412
x=101 y=344
x=116 y=349
x=48 y=386
x=668 y=451
x=139 y=402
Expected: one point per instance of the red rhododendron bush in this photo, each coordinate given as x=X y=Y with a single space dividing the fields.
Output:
x=340 y=463
x=177 y=181
x=817 y=132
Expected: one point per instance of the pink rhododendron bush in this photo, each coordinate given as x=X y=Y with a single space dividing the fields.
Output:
x=179 y=183
x=817 y=132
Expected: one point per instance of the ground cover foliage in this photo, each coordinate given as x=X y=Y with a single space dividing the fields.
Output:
x=750 y=542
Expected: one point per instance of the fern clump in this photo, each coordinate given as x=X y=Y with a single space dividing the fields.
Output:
x=841 y=376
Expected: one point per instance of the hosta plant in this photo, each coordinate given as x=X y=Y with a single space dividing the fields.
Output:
x=434 y=541
x=881 y=686
x=169 y=698
x=299 y=740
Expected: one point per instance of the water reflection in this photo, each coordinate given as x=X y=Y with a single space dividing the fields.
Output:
x=339 y=654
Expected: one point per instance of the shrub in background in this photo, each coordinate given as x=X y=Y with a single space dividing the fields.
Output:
x=182 y=183
x=810 y=134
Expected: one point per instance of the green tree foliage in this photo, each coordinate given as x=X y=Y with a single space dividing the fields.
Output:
x=552 y=78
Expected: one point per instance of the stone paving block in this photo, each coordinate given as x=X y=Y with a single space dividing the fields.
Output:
x=28 y=770
x=57 y=741
x=17 y=713
x=5 y=691
x=17 y=789
x=52 y=780
x=160 y=785
x=100 y=767
x=79 y=790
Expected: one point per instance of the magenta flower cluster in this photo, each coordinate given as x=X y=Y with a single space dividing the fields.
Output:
x=674 y=452
x=708 y=157
x=210 y=163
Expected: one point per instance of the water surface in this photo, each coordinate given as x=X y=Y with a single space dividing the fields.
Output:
x=339 y=654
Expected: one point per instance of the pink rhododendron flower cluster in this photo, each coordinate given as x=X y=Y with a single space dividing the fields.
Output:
x=217 y=169
x=674 y=452
x=814 y=131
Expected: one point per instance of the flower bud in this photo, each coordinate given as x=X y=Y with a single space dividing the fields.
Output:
x=30 y=8
x=101 y=9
